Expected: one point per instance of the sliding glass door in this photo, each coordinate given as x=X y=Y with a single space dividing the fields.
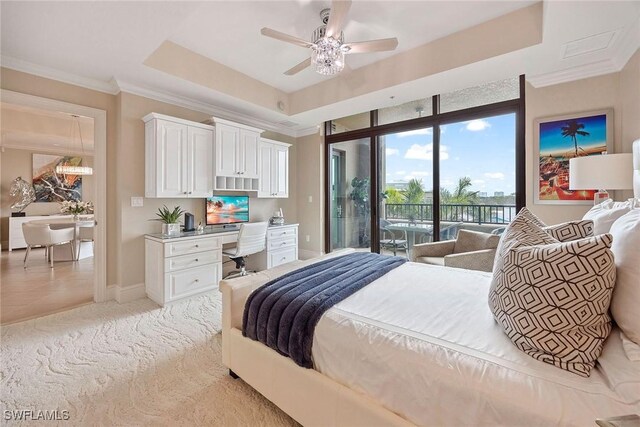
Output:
x=477 y=175
x=350 y=195
x=406 y=185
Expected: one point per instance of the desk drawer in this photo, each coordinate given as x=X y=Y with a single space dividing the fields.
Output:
x=192 y=281
x=282 y=232
x=192 y=260
x=192 y=246
x=286 y=242
x=283 y=256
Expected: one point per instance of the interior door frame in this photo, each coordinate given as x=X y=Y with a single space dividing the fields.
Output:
x=100 y=173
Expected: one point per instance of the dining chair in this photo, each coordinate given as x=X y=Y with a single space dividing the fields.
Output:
x=43 y=235
x=85 y=235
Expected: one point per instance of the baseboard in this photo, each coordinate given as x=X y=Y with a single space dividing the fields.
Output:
x=111 y=292
x=124 y=294
x=307 y=254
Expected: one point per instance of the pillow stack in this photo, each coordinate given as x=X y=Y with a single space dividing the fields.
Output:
x=552 y=297
x=625 y=306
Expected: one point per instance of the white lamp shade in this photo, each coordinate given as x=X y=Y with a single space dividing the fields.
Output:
x=605 y=172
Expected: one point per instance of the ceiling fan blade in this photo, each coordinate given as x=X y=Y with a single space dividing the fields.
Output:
x=285 y=37
x=337 y=17
x=372 y=46
x=301 y=66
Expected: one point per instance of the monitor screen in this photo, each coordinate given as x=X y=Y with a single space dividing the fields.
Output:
x=227 y=209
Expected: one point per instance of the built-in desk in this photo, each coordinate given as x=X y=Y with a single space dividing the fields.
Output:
x=191 y=263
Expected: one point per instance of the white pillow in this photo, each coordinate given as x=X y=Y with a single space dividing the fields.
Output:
x=605 y=214
x=625 y=305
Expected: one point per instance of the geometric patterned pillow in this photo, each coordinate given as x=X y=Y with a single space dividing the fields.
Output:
x=552 y=299
x=572 y=230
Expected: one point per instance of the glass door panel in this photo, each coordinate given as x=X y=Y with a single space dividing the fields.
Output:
x=350 y=194
x=406 y=184
x=477 y=175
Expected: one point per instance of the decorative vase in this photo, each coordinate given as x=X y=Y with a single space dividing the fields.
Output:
x=171 y=229
x=76 y=217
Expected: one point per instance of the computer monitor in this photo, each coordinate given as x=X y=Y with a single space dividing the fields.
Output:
x=227 y=209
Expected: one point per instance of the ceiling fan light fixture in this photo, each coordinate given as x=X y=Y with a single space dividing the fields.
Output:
x=328 y=56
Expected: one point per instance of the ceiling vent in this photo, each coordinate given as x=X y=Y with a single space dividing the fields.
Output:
x=589 y=44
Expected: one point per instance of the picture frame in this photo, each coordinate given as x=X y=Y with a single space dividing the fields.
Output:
x=556 y=139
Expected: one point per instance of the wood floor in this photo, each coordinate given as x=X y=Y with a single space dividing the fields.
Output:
x=41 y=290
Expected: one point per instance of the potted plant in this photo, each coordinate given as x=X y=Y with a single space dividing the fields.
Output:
x=169 y=219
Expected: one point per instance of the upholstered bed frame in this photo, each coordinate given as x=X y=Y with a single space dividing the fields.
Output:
x=306 y=395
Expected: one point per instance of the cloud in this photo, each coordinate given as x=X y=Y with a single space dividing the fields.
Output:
x=478 y=181
x=494 y=175
x=420 y=173
x=478 y=125
x=391 y=151
x=401 y=172
x=425 y=152
x=425 y=131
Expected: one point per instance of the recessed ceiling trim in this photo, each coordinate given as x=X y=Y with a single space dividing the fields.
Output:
x=590 y=44
x=202 y=107
x=54 y=74
x=575 y=73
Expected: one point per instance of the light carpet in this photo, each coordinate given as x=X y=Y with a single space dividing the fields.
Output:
x=130 y=364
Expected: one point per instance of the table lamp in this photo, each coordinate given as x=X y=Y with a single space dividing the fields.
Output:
x=607 y=171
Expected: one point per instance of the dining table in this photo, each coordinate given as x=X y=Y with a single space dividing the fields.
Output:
x=411 y=229
x=63 y=252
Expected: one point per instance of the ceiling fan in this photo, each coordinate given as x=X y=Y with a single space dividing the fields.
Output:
x=327 y=43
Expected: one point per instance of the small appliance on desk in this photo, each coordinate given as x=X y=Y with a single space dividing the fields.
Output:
x=277 y=218
x=189 y=222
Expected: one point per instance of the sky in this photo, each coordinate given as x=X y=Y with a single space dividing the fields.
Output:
x=552 y=141
x=483 y=150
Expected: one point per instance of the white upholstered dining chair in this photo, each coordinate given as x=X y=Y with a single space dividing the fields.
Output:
x=43 y=235
x=252 y=239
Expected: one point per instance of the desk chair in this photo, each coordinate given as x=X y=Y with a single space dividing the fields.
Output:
x=43 y=235
x=252 y=239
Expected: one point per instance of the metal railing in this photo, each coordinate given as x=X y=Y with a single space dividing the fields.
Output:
x=476 y=214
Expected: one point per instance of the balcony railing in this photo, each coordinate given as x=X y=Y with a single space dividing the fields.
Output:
x=476 y=214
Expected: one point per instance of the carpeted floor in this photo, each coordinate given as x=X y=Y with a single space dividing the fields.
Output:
x=129 y=364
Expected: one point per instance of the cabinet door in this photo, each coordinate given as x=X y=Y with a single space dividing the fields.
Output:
x=280 y=173
x=200 y=166
x=248 y=161
x=171 y=158
x=227 y=146
x=266 y=170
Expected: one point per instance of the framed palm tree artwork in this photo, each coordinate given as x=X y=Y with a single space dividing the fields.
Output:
x=561 y=138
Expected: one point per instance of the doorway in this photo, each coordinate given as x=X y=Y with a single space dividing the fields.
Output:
x=59 y=152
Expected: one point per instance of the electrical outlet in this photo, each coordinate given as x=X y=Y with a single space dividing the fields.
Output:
x=137 y=202
x=307 y=238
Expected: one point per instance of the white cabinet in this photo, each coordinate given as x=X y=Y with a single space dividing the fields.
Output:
x=282 y=247
x=237 y=156
x=274 y=170
x=181 y=267
x=178 y=157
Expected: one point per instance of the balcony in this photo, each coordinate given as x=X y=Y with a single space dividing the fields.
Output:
x=470 y=214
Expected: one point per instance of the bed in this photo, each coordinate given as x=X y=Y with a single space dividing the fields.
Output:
x=378 y=363
x=420 y=346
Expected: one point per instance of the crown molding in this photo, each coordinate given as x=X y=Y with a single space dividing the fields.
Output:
x=307 y=131
x=575 y=73
x=54 y=74
x=202 y=107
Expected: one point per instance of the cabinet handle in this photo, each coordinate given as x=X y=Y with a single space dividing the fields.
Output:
x=190 y=192
x=283 y=243
x=184 y=192
x=197 y=246
x=284 y=258
x=197 y=280
x=197 y=259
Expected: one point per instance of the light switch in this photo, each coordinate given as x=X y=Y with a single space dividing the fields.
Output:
x=308 y=238
x=310 y=199
x=137 y=202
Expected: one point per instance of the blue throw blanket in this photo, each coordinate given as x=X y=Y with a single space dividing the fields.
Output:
x=284 y=312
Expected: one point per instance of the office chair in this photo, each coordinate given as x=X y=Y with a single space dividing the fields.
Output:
x=252 y=239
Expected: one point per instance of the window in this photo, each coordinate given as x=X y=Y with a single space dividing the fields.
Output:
x=428 y=172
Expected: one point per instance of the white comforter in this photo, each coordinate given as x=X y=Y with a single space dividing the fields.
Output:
x=421 y=341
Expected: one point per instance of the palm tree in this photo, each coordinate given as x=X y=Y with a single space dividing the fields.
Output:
x=572 y=128
x=414 y=193
x=461 y=195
